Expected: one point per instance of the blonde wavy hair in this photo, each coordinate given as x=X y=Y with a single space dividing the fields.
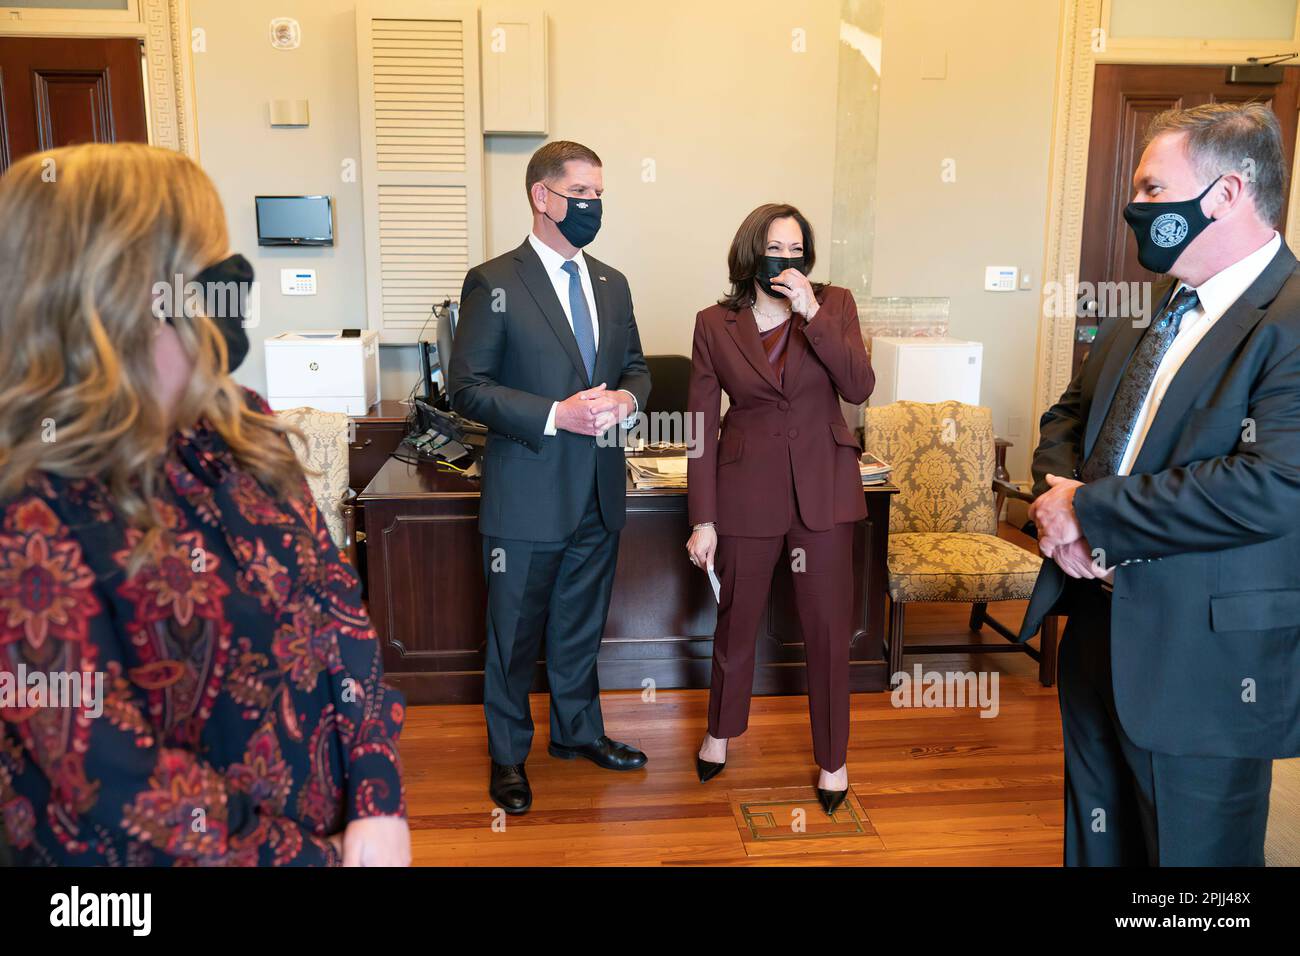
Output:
x=86 y=234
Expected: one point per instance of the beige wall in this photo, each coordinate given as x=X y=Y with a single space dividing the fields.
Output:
x=992 y=116
x=710 y=92
x=713 y=94
x=233 y=80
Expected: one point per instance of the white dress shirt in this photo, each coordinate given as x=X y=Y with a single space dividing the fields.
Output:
x=553 y=264
x=1216 y=295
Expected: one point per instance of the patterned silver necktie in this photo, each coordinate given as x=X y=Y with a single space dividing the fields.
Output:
x=1122 y=416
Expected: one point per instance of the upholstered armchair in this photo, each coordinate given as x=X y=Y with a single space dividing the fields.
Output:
x=943 y=542
x=325 y=459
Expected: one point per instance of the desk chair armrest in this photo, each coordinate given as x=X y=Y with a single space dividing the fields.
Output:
x=1011 y=491
x=348 y=509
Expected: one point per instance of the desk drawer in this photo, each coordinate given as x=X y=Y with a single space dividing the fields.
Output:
x=375 y=442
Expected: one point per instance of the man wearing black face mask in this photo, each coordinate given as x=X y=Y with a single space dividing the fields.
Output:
x=1168 y=477
x=547 y=355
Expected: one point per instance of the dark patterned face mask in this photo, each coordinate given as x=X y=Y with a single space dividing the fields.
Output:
x=1164 y=229
x=582 y=220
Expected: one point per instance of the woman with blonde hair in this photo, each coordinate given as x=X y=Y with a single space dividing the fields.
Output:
x=197 y=681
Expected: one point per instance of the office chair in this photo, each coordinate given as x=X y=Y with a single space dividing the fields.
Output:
x=670 y=377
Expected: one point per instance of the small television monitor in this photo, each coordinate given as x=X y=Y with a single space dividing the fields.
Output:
x=295 y=221
x=435 y=357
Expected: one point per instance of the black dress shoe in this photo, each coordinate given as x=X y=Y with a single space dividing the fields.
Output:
x=831 y=799
x=509 y=787
x=603 y=752
x=706 y=770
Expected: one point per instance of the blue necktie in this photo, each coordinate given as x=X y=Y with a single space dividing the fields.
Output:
x=1121 y=417
x=582 y=328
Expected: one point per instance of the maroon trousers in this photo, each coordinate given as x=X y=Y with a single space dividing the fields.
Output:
x=821 y=563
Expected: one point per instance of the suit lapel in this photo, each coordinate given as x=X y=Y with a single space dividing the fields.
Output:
x=1217 y=346
x=539 y=286
x=744 y=332
x=1121 y=349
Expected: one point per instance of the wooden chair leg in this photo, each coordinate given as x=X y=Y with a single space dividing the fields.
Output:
x=977 y=612
x=895 y=640
x=1047 y=652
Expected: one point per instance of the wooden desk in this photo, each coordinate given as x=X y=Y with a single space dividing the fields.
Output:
x=376 y=436
x=428 y=595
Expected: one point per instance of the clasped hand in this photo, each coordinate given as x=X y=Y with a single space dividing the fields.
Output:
x=592 y=410
x=1060 y=537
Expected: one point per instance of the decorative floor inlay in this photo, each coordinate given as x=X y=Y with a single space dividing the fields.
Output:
x=785 y=820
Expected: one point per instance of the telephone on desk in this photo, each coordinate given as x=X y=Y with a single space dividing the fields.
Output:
x=443 y=436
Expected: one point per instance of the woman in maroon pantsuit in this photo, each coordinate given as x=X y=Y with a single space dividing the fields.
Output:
x=782 y=479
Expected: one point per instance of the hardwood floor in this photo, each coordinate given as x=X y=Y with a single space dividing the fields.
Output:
x=933 y=786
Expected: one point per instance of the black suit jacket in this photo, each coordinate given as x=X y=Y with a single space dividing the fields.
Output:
x=514 y=354
x=1205 y=616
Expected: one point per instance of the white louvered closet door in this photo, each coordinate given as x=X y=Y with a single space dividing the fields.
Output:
x=422 y=158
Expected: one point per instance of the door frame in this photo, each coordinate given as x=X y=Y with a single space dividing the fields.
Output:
x=164 y=28
x=1082 y=44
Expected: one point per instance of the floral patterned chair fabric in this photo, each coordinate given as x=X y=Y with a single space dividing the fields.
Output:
x=943 y=543
x=325 y=459
x=943 y=462
x=963 y=567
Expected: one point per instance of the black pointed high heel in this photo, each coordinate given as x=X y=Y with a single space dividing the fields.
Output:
x=831 y=799
x=706 y=770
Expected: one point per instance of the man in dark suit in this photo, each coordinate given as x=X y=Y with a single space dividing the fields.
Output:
x=1168 y=477
x=547 y=356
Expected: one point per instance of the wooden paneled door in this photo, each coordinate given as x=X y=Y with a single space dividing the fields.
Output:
x=1124 y=101
x=62 y=91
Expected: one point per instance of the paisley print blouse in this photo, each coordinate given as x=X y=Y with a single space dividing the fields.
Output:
x=230 y=708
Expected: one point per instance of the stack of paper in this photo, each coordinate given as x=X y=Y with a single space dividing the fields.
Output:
x=873 y=470
x=651 y=473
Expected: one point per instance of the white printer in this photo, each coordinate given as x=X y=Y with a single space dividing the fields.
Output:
x=324 y=370
x=919 y=369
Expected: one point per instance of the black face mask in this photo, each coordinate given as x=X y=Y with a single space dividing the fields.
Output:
x=1164 y=229
x=582 y=220
x=233 y=282
x=769 y=267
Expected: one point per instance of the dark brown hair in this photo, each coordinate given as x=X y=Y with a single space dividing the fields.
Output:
x=548 y=162
x=1233 y=137
x=750 y=245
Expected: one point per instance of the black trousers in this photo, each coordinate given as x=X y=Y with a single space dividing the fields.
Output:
x=1129 y=806
x=557 y=592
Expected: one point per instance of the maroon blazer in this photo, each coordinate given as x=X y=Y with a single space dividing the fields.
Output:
x=777 y=434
